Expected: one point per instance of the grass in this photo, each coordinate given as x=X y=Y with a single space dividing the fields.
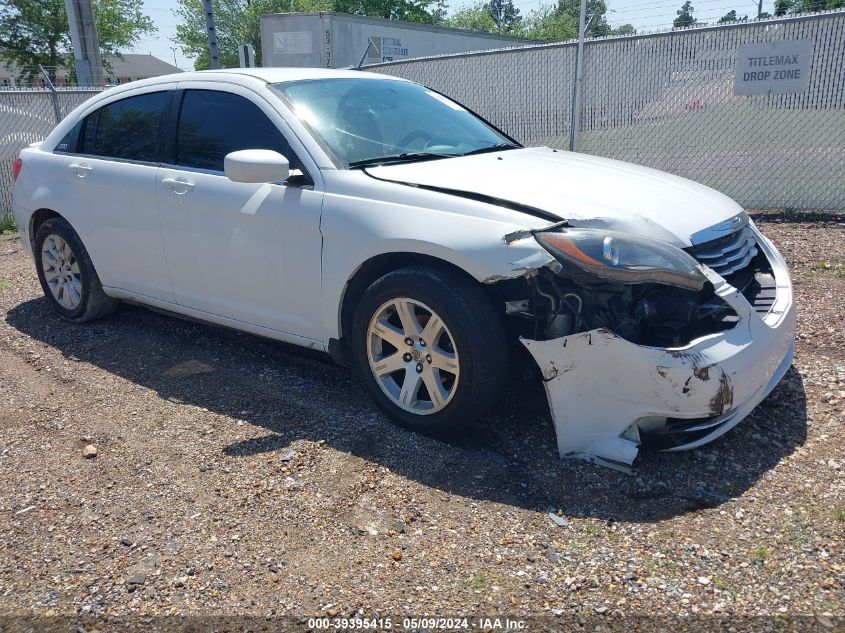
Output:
x=834 y=267
x=839 y=514
x=477 y=583
x=760 y=554
x=5 y=284
x=592 y=529
x=7 y=224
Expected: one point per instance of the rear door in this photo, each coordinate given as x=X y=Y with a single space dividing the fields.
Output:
x=248 y=252
x=109 y=163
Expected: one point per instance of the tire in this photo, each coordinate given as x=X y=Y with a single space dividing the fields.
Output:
x=472 y=347
x=81 y=297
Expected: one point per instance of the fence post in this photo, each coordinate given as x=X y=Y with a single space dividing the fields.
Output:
x=575 y=120
x=56 y=110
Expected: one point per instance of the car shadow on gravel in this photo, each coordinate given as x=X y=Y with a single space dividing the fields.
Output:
x=510 y=457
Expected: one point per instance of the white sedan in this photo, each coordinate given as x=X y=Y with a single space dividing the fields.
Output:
x=382 y=222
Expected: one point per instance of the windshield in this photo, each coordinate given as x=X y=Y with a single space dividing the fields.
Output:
x=372 y=121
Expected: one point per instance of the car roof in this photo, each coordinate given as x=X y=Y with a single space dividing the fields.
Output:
x=247 y=75
x=275 y=75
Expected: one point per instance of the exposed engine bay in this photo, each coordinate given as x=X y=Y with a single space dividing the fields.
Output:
x=560 y=301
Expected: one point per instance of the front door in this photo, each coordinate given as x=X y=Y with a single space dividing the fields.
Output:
x=249 y=252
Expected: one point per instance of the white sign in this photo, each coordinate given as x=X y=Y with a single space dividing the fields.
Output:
x=292 y=43
x=773 y=67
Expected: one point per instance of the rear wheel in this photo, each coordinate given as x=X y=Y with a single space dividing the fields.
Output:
x=67 y=275
x=430 y=348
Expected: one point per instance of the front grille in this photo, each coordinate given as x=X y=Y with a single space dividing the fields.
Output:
x=729 y=254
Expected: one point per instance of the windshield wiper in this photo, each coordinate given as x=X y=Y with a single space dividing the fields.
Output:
x=498 y=147
x=397 y=158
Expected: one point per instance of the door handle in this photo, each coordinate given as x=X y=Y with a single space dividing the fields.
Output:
x=178 y=186
x=80 y=169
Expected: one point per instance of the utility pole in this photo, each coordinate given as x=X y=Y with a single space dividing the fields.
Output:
x=759 y=8
x=175 y=63
x=86 y=47
x=212 y=34
x=575 y=121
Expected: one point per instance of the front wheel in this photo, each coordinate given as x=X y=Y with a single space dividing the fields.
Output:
x=430 y=348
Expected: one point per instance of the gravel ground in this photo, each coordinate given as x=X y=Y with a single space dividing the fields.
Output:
x=234 y=476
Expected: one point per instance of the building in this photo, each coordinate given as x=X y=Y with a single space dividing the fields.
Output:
x=340 y=40
x=119 y=70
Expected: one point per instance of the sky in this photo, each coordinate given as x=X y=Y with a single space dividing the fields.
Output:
x=645 y=15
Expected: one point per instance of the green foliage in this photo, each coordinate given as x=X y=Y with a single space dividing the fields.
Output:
x=238 y=21
x=685 y=17
x=625 y=29
x=474 y=18
x=34 y=32
x=549 y=24
x=731 y=16
x=784 y=7
x=560 y=22
x=760 y=554
x=598 y=26
x=7 y=224
x=495 y=16
x=426 y=11
x=505 y=15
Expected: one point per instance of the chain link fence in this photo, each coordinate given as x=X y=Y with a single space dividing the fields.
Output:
x=666 y=100
x=28 y=115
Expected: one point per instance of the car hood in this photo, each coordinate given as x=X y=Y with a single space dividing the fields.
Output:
x=582 y=189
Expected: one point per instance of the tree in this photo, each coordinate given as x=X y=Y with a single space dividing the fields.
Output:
x=783 y=7
x=560 y=22
x=625 y=29
x=505 y=15
x=731 y=16
x=426 y=11
x=474 y=18
x=238 y=21
x=549 y=24
x=685 y=17
x=34 y=32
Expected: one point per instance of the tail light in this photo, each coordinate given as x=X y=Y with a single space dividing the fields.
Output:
x=16 y=168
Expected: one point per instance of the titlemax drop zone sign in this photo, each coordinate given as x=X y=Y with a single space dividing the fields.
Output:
x=773 y=67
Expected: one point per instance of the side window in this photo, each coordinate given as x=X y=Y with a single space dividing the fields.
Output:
x=213 y=123
x=128 y=128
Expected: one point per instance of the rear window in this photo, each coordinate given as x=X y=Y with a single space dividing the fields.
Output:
x=127 y=129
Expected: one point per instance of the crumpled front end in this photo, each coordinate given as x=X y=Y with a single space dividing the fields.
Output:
x=610 y=394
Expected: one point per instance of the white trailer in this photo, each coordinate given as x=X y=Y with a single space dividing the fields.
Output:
x=339 y=40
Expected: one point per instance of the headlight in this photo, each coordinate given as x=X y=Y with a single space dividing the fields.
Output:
x=622 y=257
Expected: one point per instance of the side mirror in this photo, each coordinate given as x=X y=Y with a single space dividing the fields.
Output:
x=256 y=165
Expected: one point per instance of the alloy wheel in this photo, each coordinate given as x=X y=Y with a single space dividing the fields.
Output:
x=412 y=356
x=61 y=271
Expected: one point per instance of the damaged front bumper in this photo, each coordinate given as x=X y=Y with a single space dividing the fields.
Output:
x=609 y=396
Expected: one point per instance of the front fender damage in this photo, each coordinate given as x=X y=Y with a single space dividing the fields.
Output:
x=618 y=377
